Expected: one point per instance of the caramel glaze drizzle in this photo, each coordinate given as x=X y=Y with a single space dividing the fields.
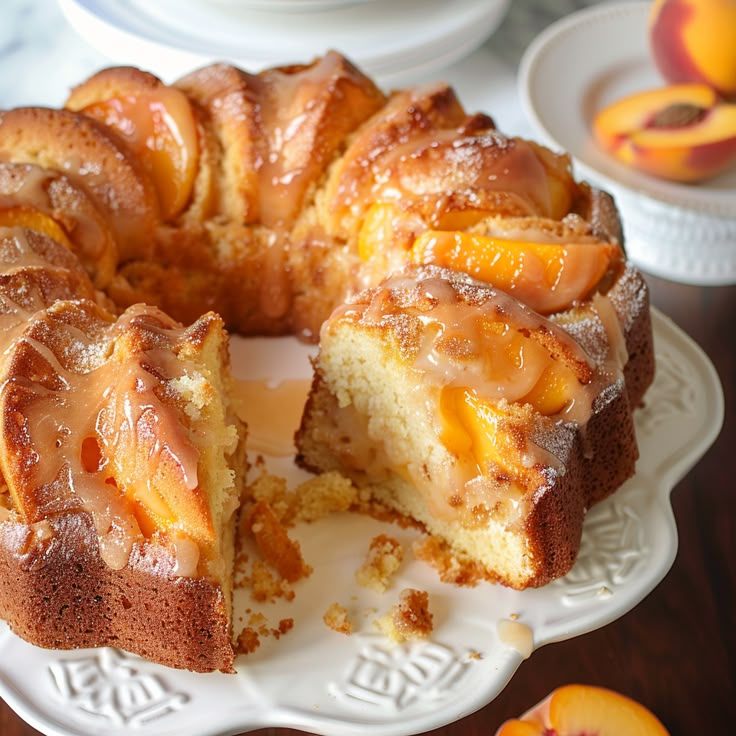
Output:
x=453 y=349
x=88 y=423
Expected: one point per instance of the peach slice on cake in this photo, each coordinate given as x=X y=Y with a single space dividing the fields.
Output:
x=33 y=219
x=155 y=120
x=682 y=132
x=49 y=202
x=581 y=710
x=548 y=277
x=94 y=160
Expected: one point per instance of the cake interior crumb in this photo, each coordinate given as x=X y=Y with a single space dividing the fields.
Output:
x=409 y=619
x=336 y=618
x=384 y=558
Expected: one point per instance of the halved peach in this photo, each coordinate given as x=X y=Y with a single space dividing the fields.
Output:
x=682 y=132
x=695 y=41
x=548 y=277
x=157 y=122
x=579 y=710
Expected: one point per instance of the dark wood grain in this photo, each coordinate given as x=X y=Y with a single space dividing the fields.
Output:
x=676 y=651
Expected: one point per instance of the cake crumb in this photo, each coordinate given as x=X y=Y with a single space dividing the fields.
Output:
x=324 y=494
x=409 y=619
x=247 y=642
x=264 y=585
x=250 y=637
x=309 y=501
x=385 y=555
x=450 y=567
x=336 y=618
x=274 y=543
x=285 y=625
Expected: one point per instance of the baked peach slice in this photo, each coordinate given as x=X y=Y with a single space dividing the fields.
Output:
x=156 y=121
x=27 y=217
x=682 y=132
x=582 y=710
x=82 y=148
x=50 y=203
x=547 y=277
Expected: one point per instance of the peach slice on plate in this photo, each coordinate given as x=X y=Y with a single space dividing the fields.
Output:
x=157 y=122
x=682 y=132
x=547 y=277
x=583 y=710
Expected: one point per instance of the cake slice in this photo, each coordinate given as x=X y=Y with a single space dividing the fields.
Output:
x=121 y=466
x=455 y=406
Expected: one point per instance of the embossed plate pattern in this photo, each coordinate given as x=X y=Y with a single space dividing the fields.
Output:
x=321 y=681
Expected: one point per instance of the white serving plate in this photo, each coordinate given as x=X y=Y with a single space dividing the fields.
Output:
x=389 y=40
x=360 y=685
x=577 y=66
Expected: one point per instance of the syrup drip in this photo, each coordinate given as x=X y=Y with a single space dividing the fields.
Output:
x=81 y=390
x=272 y=413
x=516 y=635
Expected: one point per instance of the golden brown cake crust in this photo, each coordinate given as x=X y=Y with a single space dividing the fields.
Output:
x=71 y=599
x=289 y=164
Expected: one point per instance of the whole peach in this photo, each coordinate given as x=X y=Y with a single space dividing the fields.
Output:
x=695 y=41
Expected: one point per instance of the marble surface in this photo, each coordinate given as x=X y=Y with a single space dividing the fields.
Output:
x=42 y=56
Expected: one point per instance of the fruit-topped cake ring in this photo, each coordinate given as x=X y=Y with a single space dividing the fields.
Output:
x=481 y=350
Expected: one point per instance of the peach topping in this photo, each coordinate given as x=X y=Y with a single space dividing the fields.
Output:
x=548 y=277
x=33 y=219
x=159 y=126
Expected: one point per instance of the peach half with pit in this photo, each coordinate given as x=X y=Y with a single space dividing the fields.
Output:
x=695 y=41
x=580 y=710
x=682 y=132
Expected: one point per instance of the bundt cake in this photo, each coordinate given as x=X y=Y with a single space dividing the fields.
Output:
x=265 y=201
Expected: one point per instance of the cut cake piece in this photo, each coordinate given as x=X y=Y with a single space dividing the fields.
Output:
x=121 y=468
x=460 y=408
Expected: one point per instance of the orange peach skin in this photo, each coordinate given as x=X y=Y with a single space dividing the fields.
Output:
x=548 y=277
x=695 y=41
x=583 y=710
x=685 y=153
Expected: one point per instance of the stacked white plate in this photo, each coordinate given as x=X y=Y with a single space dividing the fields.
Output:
x=392 y=40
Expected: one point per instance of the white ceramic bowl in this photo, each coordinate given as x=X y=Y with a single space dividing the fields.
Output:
x=574 y=68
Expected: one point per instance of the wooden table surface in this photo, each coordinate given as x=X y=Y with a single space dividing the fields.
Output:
x=676 y=651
